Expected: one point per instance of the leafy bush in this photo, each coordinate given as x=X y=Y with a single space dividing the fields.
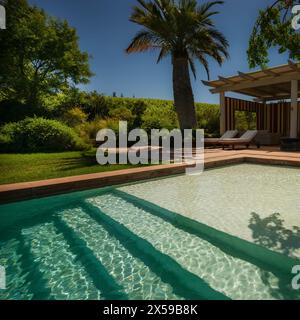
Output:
x=138 y=109
x=88 y=131
x=122 y=114
x=156 y=117
x=74 y=117
x=208 y=117
x=39 y=135
x=94 y=105
x=245 y=120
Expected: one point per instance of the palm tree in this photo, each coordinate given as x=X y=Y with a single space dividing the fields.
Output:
x=184 y=30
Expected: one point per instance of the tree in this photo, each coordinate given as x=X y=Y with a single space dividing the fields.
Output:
x=39 y=55
x=184 y=30
x=273 y=28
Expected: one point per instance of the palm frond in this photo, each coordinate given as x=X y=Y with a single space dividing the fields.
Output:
x=193 y=68
x=163 y=53
x=143 y=41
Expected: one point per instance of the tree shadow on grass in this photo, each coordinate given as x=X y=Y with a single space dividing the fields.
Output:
x=86 y=159
x=77 y=163
x=271 y=233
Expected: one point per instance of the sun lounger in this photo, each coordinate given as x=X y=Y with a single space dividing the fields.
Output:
x=215 y=141
x=245 y=140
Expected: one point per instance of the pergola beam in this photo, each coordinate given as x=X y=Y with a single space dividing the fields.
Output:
x=258 y=83
x=228 y=81
x=207 y=83
x=270 y=73
x=293 y=66
x=246 y=76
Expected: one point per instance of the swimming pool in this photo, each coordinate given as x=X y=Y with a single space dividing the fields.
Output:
x=138 y=242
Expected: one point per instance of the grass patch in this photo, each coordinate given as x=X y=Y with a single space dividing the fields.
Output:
x=41 y=166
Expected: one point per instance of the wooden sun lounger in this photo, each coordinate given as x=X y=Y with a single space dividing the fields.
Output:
x=245 y=140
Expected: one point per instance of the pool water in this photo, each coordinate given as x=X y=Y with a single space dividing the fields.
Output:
x=109 y=244
x=257 y=203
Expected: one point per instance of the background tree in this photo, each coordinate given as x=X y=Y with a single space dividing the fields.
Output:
x=185 y=31
x=39 y=55
x=273 y=28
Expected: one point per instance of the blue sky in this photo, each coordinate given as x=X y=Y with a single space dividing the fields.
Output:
x=105 y=31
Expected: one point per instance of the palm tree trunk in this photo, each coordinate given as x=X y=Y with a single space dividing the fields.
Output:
x=183 y=94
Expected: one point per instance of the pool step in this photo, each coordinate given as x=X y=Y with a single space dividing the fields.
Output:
x=101 y=278
x=232 y=276
x=184 y=282
x=96 y=243
x=63 y=275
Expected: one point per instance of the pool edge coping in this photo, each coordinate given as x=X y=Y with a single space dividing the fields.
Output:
x=31 y=190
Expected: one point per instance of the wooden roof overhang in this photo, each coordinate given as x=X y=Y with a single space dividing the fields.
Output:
x=263 y=85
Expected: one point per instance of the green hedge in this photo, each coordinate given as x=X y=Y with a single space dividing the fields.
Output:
x=39 y=135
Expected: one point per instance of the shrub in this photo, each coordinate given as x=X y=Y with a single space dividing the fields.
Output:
x=94 y=105
x=74 y=117
x=208 y=117
x=88 y=131
x=138 y=109
x=156 y=117
x=39 y=135
x=122 y=114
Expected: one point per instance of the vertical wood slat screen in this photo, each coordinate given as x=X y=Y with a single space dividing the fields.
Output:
x=298 y=119
x=274 y=117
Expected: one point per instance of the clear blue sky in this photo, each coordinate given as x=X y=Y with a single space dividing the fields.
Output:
x=105 y=31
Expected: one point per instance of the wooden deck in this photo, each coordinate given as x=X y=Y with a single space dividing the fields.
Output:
x=213 y=158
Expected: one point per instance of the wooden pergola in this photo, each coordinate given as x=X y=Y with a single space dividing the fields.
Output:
x=274 y=93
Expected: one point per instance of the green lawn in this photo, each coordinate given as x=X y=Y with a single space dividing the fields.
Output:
x=40 y=166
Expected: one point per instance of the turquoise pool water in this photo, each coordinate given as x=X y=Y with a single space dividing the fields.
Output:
x=108 y=244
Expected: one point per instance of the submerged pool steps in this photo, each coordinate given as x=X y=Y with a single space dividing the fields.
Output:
x=183 y=282
x=102 y=280
x=30 y=271
x=112 y=245
x=134 y=278
x=59 y=268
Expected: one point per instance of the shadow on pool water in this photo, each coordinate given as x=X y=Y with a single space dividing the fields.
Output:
x=270 y=232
